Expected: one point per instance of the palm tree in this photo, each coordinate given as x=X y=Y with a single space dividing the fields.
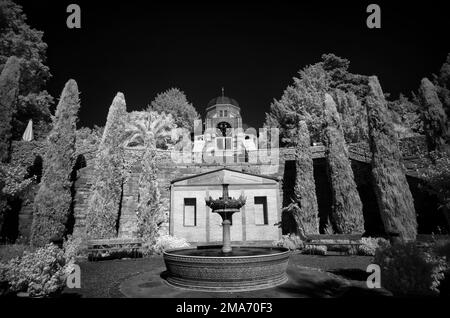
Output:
x=150 y=129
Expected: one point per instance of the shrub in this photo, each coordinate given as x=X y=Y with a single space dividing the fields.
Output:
x=73 y=248
x=39 y=273
x=442 y=248
x=167 y=242
x=12 y=184
x=291 y=242
x=370 y=245
x=408 y=270
x=315 y=249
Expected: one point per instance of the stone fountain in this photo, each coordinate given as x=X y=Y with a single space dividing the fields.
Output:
x=226 y=268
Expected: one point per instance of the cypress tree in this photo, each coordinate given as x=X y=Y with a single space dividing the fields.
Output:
x=53 y=200
x=9 y=89
x=436 y=121
x=391 y=187
x=104 y=201
x=347 y=216
x=149 y=209
x=305 y=188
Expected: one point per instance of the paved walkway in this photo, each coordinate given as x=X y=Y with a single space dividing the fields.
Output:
x=309 y=276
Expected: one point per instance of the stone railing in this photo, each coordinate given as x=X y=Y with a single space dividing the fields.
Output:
x=411 y=149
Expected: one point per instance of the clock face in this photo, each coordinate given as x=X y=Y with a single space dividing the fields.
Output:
x=223 y=126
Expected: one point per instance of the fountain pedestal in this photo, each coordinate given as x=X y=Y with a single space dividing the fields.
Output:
x=226 y=215
x=226 y=248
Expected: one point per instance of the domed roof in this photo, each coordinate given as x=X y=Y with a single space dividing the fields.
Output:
x=222 y=100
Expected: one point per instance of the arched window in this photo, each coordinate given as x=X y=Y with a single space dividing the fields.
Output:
x=223 y=127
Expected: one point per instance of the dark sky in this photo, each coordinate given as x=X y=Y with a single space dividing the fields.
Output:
x=252 y=48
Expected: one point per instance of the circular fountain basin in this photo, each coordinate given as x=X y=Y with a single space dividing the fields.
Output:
x=244 y=269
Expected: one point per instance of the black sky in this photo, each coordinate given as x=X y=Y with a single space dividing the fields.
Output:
x=252 y=48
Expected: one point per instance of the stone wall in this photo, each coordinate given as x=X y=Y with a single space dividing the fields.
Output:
x=168 y=170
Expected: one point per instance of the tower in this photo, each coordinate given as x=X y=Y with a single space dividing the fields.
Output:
x=223 y=117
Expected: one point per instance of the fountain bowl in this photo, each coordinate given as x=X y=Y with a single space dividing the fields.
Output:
x=244 y=269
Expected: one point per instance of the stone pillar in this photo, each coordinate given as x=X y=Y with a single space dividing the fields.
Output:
x=391 y=187
x=226 y=248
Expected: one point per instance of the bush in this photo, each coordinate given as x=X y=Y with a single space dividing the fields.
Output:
x=167 y=242
x=39 y=273
x=408 y=270
x=315 y=250
x=442 y=248
x=291 y=242
x=73 y=248
x=370 y=245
